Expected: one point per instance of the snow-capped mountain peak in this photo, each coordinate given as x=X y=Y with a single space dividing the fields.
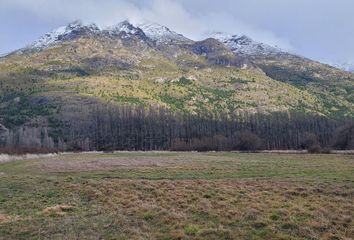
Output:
x=162 y=34
x=61 y=33
x=77 y=28
x=244 y=45
x=49 y=38
x=240 y=44
x=124 y=26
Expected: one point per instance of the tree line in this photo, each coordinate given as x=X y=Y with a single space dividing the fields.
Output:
x=126 y=127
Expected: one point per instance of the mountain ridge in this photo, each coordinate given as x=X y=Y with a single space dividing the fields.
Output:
x=155 y=32
x=239 y=44
x=124 y=65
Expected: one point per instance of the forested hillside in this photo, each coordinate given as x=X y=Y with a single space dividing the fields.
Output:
x=149 y=88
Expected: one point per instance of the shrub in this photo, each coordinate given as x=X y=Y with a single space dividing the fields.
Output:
x=247 y=141
x=311 y=143
x=215 y=143
x=184 y=81
x=326 y=150
x=309 y=140
x=148 y=216
x=344 y=137
x=191 y=230
x=315 y=149
x=26 y=150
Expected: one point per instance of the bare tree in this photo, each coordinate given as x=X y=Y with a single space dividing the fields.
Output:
x=344 y=137
x=4 y=134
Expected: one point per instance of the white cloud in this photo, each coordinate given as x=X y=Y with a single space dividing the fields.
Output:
x=319 y=29
x=229 y=24
x=170 y=13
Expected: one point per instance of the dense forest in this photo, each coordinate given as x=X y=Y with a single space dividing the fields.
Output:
x=108 y=128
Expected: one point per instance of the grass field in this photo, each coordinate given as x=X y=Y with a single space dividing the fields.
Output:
x=178 y=196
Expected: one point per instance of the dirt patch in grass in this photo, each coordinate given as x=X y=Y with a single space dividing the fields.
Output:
x=4 y=218
x=58 y=210
x=7 y=219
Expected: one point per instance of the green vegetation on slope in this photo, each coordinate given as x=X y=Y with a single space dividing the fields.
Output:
x=182 y=81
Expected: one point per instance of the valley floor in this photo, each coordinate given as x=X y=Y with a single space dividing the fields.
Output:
x=165 y=195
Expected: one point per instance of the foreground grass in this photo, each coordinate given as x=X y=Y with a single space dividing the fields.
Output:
x=178 y=196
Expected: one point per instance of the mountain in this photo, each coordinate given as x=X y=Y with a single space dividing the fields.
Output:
x=332 y=85
x=244 y=45
x=346 y=66
x=77 y=30
x=64 y=33
x=162 y=34
x=150 y=65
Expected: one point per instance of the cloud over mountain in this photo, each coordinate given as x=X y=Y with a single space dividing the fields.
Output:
x=319 y=29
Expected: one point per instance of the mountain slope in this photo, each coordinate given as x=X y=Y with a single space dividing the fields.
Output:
x=332 y=86
x=82 y=64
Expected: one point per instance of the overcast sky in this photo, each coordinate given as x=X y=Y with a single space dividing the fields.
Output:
x=319 y=29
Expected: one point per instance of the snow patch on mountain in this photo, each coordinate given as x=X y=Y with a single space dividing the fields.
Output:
x=346 y=66
x=59 y=34
x=50 y=38
x=243 y=45
x=123 y=30
x=124 y=27
x=239 y=44
x=162 y=34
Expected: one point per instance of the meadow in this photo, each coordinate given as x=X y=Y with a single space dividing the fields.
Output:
x=173 y=195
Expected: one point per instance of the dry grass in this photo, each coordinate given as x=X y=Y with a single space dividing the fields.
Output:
x=59 y=210
x=227 y=209
x=178 y=196
x=61 y=164
x=4 y=158
x=4 y=218
x=7 y=219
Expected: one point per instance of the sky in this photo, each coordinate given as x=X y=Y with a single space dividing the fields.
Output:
x=319 y=29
